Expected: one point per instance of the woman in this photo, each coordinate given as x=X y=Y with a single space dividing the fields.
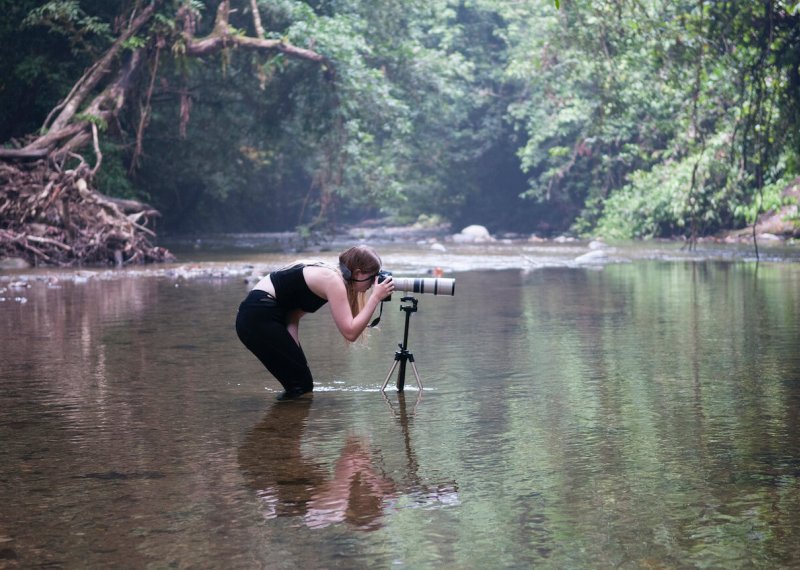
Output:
x=268 y=319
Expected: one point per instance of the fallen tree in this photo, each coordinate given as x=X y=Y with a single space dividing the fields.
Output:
x=51 y=211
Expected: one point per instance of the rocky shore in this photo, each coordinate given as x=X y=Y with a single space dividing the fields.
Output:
x=410 y=250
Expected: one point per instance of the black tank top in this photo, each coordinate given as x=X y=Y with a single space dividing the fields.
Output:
x=292 y=292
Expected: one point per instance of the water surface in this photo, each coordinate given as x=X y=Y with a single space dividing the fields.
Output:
x=635 y=415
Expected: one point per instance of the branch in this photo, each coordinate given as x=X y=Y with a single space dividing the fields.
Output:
x=128 y=206
x=78 y=133
x=117 y=90
x=100 y=70
x=221 y=38
x=22 y=153
x=215 y=43
x=96 y=150
x=69 y=96
x=48 y=241
x=257 y=19
x=278 y=45
x=47 y=142
x=144 y=118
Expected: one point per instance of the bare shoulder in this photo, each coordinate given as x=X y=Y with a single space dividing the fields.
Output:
x=324 y=281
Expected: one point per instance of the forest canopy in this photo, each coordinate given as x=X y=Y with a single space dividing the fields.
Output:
x=619 y=118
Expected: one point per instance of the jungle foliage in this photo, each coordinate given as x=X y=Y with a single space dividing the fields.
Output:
x=622 y=118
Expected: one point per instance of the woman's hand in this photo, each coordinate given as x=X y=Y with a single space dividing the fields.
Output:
x=384 y=289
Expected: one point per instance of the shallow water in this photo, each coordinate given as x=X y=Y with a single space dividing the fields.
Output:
x=637 y=415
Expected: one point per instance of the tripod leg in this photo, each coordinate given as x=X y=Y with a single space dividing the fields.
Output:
x=391 y=370
x=416 y=375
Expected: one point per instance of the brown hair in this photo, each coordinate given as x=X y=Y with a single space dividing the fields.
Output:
x=366 y=259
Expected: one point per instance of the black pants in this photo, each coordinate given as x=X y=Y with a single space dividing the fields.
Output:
x=261 y=326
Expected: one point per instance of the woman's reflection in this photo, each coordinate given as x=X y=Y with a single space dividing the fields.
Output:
x=356 y=494
x=290 y=484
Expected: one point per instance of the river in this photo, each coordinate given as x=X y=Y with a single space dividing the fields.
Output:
x=639 y=408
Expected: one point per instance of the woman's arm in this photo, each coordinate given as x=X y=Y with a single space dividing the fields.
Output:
x=333 y=288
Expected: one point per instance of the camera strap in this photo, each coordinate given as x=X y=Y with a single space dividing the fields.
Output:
x=377 y=319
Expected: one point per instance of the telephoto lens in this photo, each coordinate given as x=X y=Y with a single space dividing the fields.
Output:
x=426 y=285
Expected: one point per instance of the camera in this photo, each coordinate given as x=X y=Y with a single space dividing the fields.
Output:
x=423 y=285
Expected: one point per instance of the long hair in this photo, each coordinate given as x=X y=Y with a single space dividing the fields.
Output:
x=366 y=259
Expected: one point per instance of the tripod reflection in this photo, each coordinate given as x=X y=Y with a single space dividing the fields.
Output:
x=421 y=491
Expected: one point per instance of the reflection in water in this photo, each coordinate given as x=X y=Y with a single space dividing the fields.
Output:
x=290 y=484
x=421 y=492
x=274 y=464
x=354 y=490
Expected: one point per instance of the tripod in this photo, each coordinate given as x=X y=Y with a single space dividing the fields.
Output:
x=403 y=355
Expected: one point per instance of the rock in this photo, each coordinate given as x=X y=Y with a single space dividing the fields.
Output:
x=597 y=244
x=596 y=256
x=473 y=234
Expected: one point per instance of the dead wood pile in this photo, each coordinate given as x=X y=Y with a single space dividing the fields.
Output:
x=50 y=216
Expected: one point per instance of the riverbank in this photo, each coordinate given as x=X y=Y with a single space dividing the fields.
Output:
x=405 y=251
x=201 y=256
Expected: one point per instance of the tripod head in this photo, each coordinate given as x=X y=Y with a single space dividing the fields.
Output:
x=412 y=308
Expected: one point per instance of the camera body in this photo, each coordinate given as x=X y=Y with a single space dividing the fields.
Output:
x=382 y=275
